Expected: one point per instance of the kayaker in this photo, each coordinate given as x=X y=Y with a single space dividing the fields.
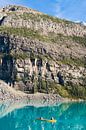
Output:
x=41 y=118
x=52 y=118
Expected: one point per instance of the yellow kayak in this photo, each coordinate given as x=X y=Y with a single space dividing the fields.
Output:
x=51 y=121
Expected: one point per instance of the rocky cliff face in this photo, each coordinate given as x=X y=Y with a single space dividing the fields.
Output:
x=39 y=47
x=16 y=16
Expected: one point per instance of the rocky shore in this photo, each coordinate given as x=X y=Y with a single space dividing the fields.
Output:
x=9 y=94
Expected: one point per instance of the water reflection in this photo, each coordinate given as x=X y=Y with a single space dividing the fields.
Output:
x=70 y=116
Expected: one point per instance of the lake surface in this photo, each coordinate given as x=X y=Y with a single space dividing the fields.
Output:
x=69 y=116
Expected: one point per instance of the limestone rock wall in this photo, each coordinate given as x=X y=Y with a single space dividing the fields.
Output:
x=54 y=57
x=46 y=26
x=51 y=54
x=22 y=17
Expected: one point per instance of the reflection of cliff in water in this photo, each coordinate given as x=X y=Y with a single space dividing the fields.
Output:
x=6 y=108
x=24 y=118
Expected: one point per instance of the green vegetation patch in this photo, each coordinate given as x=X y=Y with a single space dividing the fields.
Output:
x=76 y=62
x=72 y=91
x=29 y=33
x=20 y=55
x=54 y=88
x=27 y=16
x=25 y=32
x=38 y=17
x=77 y=91
x=44 y=17
x=52 y=38
x=55 y=19
x=81 y=40
x=58 y=89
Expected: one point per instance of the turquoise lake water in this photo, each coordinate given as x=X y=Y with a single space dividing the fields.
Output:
x=69 y=116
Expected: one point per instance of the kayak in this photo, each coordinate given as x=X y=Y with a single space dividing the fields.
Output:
x=51 y=121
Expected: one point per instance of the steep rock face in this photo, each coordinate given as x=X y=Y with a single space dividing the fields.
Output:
x=45 y=48
x=16 y=16
x=54 y=54
x=59 y=58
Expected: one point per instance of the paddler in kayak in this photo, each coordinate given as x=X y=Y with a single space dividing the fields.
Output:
x=52 y=120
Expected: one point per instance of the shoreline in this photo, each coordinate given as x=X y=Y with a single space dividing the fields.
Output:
x=39 y=99
x=9 y=94
x=31 y=100
x=9 y=106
